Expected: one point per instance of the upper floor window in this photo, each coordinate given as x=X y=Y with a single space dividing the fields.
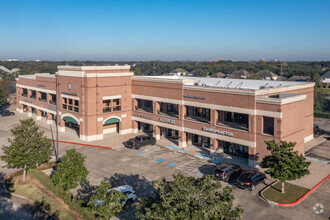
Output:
x=24 y=92
x=53 y=99
x=268 y=125
x=111 y=105
x=198 y=114
x=43 y=97
x=33 y=94
x=144 y=105
x=234 y=120
x=70 y=104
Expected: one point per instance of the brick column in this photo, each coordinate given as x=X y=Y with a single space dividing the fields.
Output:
x=38 y=95
x=214 y=143
x=135 y=104
x=29 y=111
x=156 y=132
x=61 y=125
x=49 y=118
x=29 y=93
x=135 y=127
x=48 y=98
x=182 y=139
x=156 y=107
x=38 y=114
x=214 y=116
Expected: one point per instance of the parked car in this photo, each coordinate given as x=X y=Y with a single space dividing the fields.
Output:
x=250 y=179
x=140 y=141
x=128 y=192
x=316 y=129
x=226 y=171
x=6 y=113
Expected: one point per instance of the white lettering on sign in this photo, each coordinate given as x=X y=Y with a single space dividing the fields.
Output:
x=230 y=134
x=166 y=120
x=142 y=116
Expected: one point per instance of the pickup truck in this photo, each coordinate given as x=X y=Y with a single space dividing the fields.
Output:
x=140 y=141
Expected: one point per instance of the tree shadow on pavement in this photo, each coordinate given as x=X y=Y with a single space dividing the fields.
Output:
x=141 y=185
x=85 y=191
x=12 y=207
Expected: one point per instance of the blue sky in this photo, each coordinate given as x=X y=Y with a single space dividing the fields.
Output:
x=165 y=30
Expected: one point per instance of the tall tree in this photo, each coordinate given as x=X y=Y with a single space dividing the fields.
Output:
x=189 y=198
x=284 y=164
x=106 y=204
x=3 y=98
x=28 y=148
x=71 y=170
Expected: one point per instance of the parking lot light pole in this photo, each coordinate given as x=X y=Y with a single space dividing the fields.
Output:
x=57 y=116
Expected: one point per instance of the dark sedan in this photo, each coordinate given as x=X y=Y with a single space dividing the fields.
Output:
x=226 y=171
x=250 y=179
x=6 y=113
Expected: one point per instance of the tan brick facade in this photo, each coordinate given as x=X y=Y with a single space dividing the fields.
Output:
x=101 y=100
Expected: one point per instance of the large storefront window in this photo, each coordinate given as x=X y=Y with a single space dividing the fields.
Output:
x=169 y=109
x=236 y=149
x=145 y=127
x=198 y=114
x=199 y=140
x=234 y=120
x=144 y=105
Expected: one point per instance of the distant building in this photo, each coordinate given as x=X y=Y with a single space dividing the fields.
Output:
x=12 y=60
x=239 y=74
x=178 y=72
x=6 y=70
x=325 y=78
x=219 y=75
x=267 y=75
x=300 y=78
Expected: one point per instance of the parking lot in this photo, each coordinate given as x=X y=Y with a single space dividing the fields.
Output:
x=140 y=168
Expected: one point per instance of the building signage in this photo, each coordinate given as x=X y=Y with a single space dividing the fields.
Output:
x=28 y=100
x=194 y=97
x=230 y=134
x=166 y=120
x=69 y=93
x=142 y=116
x=51 y=108
x=41 y=85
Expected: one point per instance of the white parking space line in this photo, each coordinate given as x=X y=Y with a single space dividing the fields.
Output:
x=192 y=167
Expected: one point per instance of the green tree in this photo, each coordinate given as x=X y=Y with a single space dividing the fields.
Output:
x=70 y=170
x=106 y=204
x=189 y=198
x=28 y=148
x=317 y=79
x=284 y=164
x=137 y=71
x=3 y=98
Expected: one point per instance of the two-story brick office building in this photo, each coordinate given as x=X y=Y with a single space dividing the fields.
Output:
x=232 y=115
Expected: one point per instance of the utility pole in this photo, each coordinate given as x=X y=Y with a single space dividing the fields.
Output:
x=57 y=116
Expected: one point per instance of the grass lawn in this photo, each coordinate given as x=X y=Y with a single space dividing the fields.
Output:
x=292 y=193
x=34 y=193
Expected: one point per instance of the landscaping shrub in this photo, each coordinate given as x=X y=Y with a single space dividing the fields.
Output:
x=74 y=203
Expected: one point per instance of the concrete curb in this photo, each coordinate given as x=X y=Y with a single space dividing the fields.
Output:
x=264 y=198
x=292 y=203
x=89 y=145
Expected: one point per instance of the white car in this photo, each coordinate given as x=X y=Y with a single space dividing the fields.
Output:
x=127 y=190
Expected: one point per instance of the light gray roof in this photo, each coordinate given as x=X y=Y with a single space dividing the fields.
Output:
x=179 y=70
x=4 y=69
x=326 y=75
x=266 y=73
x=228 y=83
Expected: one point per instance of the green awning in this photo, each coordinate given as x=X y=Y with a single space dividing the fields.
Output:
x=69 y=119
x=111 y=121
